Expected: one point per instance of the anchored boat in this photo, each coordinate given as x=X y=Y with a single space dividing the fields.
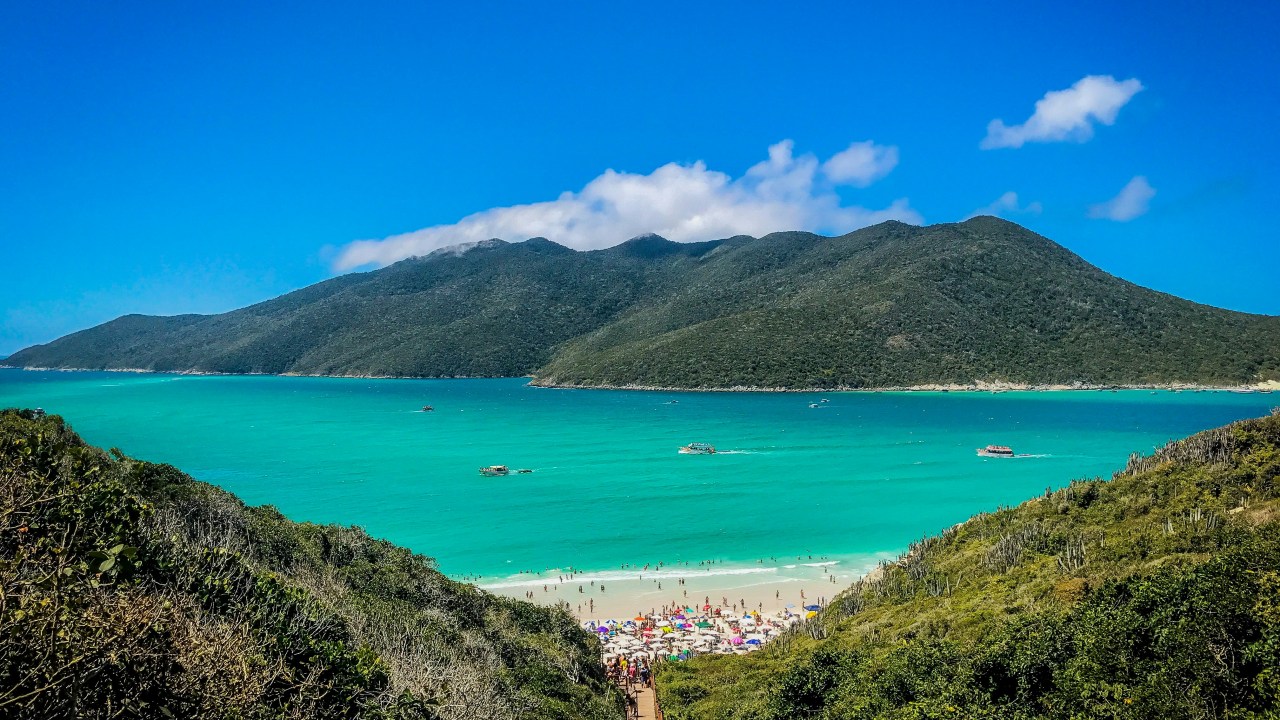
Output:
x=495 y=471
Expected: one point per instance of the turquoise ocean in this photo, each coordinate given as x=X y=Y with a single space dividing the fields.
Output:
x=857 y=477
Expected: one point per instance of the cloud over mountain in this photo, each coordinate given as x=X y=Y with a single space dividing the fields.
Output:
x=1066 y=114
x=1129 y=203
x=1007 y=204
x=680 y=202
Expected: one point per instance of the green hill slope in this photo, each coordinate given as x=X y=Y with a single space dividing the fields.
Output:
x=889 y=305
x=896 y=305
x=1153 y=595
x=129 y=590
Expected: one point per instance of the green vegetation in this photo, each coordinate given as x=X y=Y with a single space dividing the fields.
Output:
x=887 y=306
x=127 y=589
x=1153 y=595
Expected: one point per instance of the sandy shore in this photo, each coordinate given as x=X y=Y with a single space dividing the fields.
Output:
x=767 y=586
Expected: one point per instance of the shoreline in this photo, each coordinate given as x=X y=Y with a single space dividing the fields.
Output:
x=767 y=586
x=997 y=386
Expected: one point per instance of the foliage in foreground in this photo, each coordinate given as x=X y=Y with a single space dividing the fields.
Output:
x=129 y=590
x=1155 y=594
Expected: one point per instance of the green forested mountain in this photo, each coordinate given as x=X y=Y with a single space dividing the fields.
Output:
x=889 y=305
x=127 y=589
x=1153 y=595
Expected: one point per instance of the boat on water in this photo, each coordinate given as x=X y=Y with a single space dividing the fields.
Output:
x=524 y=471
x=427 y=408
x=995 y=451
x=698 y=449
x=495 y=471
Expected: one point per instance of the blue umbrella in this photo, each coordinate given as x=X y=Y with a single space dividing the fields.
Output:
x=814 y=608
x=753 y=642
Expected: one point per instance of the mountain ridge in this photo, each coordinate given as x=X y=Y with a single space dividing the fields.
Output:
x=891 y=305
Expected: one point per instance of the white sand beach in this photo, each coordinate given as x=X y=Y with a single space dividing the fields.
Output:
x=769 y=586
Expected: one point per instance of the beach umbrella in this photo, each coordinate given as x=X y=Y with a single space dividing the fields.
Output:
x=735 y=640
x=811 y=614
x=703 y=624
x=753 y=642
x=812 y=607
x=602 y=629
x=663 y=623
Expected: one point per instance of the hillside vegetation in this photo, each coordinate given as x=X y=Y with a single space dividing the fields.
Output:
x=1155 y=594
x=887 y=306
x=127 y=589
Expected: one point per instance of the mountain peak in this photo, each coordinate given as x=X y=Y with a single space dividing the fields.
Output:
x=649 y=245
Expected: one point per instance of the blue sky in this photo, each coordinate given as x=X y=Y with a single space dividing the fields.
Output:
x=162 y=159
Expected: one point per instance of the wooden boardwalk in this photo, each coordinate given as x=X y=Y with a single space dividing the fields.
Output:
x=645 y=706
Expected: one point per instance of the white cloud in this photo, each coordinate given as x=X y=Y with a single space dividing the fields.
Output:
x=1066 y=114
x=861 y=164
x=1007 y=204
x=1131 y=202
x=679 y=202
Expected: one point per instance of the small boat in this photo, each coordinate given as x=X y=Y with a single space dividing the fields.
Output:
x=495 y=471
x=814 y=405
x=995 y=451
x=427 y=408
x=698 y=449
x=524 y=471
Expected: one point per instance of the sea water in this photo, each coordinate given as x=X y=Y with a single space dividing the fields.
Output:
x=802 y=478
